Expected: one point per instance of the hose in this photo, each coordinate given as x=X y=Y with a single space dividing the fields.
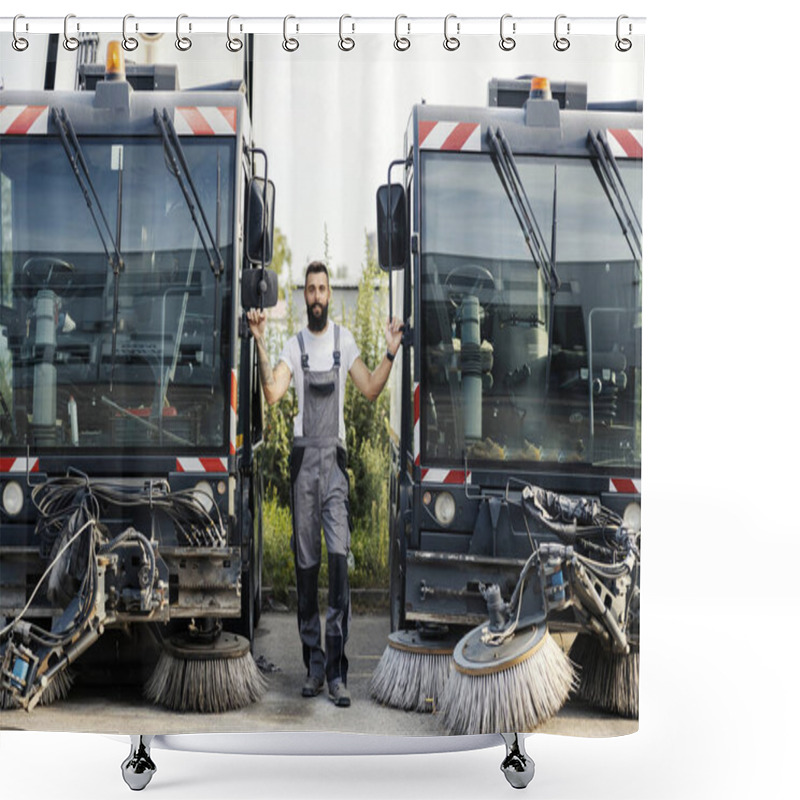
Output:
x=73 y=503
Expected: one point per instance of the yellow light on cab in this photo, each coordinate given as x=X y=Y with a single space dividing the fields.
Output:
x=115 y=62
x=540 y=89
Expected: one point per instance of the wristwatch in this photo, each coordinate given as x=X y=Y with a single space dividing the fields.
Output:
x=389 y=355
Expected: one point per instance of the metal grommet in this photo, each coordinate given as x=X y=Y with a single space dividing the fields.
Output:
x=401 y=43
x=234 y=43
x=290 y=44
x=561 y=43
x=183 y=43
x=20 y=43
x=70 y=42
x=130 y=43
x=451 y=42
x=623 y=45
x=506 y=42
x=345 y=42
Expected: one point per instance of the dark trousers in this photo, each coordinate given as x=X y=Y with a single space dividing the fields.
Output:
x=320 y=501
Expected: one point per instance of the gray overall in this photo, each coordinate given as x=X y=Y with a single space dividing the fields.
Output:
x=320 y=499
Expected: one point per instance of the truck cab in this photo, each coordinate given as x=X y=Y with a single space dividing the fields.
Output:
x=514 y=241
x=131 y=220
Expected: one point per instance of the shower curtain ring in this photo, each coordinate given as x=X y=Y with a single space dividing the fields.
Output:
x=561 y=43
x=451 y=42
x=183 y=43
x=130 y=43
x=70 y=42
x=623 y=45
x=290 y=44
x=507 y=42
x=345 y=42
x=401 y=42
x=20 y=43
x=234 y=43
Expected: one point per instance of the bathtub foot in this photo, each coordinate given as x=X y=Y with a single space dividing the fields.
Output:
x=518 y=766
x=138 y=768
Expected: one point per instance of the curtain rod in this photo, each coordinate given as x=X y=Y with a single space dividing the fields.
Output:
x=563 y=24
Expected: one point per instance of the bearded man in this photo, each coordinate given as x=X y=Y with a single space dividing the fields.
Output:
x=319 y=359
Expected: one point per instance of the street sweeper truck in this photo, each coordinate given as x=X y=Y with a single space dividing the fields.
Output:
x=136 y=226
x=513 y=236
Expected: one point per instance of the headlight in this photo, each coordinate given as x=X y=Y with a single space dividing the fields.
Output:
x=13 y=498
x=632 y=517
x=444 y=508
x=204 y=495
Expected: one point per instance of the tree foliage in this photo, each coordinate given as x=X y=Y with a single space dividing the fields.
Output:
x=365 y=421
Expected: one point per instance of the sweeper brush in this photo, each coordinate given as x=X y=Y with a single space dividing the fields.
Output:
x=514 y=686
x=412 y=671
x=57 y=689
x=194 y=674
x=608 y=680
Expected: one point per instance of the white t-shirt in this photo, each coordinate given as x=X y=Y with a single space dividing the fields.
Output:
x=319 y=347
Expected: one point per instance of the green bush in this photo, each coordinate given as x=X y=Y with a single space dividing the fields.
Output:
x=278 y=565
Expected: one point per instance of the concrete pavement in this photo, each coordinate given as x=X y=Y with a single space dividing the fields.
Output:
x=122 y=710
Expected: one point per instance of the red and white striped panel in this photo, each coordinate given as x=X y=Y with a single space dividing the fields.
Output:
x=234 y=414
x=205 y=120
x=625 y=485
x=19 y=466
x=449 y=135
x=202 y=464
x=451 y=476
x=625 y=143
x=434 y=475
x=21 y=120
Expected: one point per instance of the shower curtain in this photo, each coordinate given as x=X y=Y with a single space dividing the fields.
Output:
x=484 y=188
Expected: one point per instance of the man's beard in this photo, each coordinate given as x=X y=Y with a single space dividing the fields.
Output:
x=317 y=323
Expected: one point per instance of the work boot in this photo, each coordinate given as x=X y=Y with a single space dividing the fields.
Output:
x=313 y=686
x=339 y=694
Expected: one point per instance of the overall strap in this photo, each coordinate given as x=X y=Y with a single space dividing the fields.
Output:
x=337 y=355
x=303 y=354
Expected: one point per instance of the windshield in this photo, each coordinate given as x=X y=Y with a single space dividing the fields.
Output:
x=509 y=372
x=91 y=360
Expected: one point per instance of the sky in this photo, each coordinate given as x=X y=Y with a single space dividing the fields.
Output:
x=719 y=703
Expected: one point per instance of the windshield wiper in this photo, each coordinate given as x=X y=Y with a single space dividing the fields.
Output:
x=610 y=177
x=181 y=173
x=180 y=170
x=545 y=260
x=515 y=190
x=80 y=168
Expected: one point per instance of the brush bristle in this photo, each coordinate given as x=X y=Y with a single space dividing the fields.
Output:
x=608 y=680
x=208 y=686
x=519 y=698
x=411 y=681
x=57 y=689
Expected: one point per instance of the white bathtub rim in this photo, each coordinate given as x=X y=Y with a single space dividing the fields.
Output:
x=318 y=743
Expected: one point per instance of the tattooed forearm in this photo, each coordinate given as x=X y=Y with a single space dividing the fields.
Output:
x=264 y=367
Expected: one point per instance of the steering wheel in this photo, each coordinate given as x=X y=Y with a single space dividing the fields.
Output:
x=47 y=272
x=470 y=279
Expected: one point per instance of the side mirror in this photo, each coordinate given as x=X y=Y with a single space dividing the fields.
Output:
x=392 y=227
x=259 y=288
x=260 y=221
